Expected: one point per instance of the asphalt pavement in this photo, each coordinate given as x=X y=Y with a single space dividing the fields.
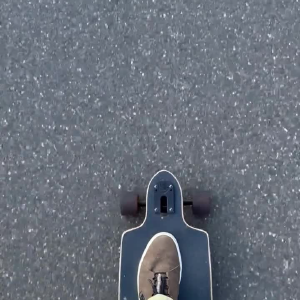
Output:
x=96 y=96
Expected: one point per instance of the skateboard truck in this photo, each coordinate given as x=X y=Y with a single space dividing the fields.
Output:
x=163 y=194
x=164 y=198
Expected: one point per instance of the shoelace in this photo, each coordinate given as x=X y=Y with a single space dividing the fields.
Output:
x=160 y=284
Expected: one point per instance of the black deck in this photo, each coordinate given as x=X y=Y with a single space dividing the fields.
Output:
x=194 y=245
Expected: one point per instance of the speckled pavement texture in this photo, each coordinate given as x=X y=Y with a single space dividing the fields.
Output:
x=96 y=96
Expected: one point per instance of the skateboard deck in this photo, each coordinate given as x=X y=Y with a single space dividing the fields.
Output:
x=164 y=213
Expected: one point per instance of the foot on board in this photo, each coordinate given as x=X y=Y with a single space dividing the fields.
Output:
x=159 y=271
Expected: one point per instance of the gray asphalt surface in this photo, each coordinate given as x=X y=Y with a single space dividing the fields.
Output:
x=96 y=96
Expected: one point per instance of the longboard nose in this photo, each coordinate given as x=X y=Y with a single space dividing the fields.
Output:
x=164 y=197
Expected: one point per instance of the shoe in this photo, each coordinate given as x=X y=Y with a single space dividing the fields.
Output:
x=160 y=268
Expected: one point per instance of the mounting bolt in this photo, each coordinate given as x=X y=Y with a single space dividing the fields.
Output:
x=170 y=187
x=155 y=187
x=155 y=209
x=170 y=209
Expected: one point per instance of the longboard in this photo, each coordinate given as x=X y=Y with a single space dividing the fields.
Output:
x=164 y=213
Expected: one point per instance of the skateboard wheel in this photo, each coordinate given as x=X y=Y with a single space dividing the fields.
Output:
x=129 y=204
x=201 y=203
